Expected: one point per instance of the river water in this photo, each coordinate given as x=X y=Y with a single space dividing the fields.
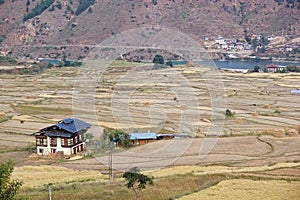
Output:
x=238 y=64
x=227 y=64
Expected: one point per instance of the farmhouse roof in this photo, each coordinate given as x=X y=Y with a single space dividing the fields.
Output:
x=73 y=125
x=65 y=128
x=142 y=136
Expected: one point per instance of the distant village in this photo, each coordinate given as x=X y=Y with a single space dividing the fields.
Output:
x=265 y=46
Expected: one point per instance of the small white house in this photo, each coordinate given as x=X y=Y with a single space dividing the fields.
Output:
x=67 y=136
x=220 y=40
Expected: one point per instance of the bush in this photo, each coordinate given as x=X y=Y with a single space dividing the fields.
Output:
x=229 y=113
x=7 y=60
x=169 y=63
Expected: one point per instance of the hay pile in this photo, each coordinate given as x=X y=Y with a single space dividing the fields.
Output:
x=278 y=132
x=292 y=132
x=239 y=120
x=255 y=114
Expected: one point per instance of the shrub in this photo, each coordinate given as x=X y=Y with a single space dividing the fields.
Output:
x=229 y=113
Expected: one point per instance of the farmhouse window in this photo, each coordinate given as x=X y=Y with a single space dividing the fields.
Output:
x=70 y=142
x=64 y=142
x=80 y=138
x=41 y=141
x=75 y=140
x=53 y=142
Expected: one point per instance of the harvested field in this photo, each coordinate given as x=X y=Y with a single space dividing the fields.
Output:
x=170 y=100
x=206 y=170
x=152 y=99
x=249 y=189
x=36 y=176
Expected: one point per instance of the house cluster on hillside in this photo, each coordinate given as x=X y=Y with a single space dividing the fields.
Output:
x=258 y=42
x=228 y=44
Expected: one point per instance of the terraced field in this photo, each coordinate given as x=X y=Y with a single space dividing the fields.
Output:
x=182 y=99
x=136 y=97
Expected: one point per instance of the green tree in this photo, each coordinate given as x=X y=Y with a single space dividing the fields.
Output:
x=229 y=113
x=38 y=9
x=8 y=188
x=159 y=59
x=256 y=68
x=58 y=5
x=136 y=181
x=117 y=136
x=83 y=5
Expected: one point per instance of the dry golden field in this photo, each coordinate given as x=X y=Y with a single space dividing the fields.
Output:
x=249 y=189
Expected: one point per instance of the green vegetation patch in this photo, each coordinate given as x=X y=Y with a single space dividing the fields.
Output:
x=83 y=5
x=38 y=9
x=4 y=60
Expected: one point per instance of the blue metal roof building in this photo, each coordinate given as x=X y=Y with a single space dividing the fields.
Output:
x=142 y=136
x=73 y=125
x=64 y=128
x=67 y=136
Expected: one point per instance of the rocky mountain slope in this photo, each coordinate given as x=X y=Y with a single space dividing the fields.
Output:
x=59 y=24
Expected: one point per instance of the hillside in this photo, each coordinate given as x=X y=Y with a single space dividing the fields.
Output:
x=26 y=25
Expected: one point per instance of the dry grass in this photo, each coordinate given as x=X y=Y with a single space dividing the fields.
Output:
x=249 y=189
x=163 y=188
x=36 y=176
x=204 y=170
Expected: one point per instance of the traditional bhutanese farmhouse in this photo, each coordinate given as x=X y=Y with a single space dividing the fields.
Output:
x=276 y=68
x=67 y=136
x=142 y=138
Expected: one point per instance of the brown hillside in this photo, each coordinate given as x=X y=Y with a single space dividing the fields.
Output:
x=197 y=18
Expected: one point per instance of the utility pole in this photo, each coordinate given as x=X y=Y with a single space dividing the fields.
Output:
x=50 y=193
x=110 y=164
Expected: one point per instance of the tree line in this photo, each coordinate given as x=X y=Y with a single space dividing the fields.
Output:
x=83 y=5
x=38 y=9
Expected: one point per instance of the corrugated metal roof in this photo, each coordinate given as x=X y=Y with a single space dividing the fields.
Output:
x=73 y=125
x=142 y=136
x=64 y=128
x=295 y=91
